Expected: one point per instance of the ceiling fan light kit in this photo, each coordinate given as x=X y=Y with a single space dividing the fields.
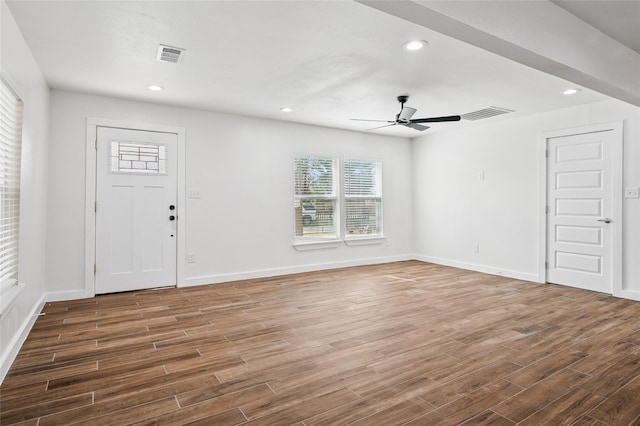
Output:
x=403 y=118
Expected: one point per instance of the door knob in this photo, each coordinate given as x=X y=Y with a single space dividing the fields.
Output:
x=605 y=220
x=172 y=217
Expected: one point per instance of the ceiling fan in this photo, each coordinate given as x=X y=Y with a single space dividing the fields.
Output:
x=403 y=118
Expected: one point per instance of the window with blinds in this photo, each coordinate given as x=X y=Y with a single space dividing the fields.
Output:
x=10 y=149
x=363 y=198
x=315 y=198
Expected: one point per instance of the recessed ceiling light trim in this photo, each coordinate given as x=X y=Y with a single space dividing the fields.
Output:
x=155 y=87
x=286 y=109
x=414 y=45
x=572 y=91
x=170 y=54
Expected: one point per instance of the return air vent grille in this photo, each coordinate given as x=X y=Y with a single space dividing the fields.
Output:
x=170 y=54
x=485 y=113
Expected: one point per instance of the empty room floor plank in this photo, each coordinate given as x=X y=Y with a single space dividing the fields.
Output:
x=398 y=343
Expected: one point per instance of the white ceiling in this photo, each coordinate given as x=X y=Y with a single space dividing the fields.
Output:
x=620 y=20
x=329 y=60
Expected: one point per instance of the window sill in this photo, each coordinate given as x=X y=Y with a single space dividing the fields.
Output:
x=363 y=241
x=316 y=245
x=9 y=297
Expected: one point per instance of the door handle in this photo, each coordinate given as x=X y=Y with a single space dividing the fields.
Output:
x=605 y=220
x=172 y=217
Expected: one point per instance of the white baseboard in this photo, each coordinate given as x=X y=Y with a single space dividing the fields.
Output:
x=480 y=268
x=630 y=294
x=18 y=339
x=58 y=296
x=265 y=273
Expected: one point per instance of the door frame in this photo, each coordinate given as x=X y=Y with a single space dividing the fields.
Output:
x=90 y=194
x=616 y=230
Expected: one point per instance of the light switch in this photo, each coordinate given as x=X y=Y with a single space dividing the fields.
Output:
x=632 y=192
x=193 y=192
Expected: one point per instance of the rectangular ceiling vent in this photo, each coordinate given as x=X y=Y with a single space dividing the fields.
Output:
x=485 y=113
x=170 y=54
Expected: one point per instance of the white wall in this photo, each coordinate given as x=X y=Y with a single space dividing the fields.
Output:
x=20 y=67
x=454 y=209
x=243 y=224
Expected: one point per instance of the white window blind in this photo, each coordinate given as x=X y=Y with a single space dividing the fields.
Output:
x=363 y=198
x=315 y=197
x=10 y=150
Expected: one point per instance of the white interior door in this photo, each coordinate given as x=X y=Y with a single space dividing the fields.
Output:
x=580 y=210
x=136 y=209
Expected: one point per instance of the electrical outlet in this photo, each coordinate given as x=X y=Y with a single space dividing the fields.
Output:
x=191 y=257
x=193 y=192
x=476 y=248
x=632 y=192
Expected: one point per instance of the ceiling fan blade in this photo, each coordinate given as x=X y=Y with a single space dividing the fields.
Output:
x=436 y=119
x=406 y=113
x=380 y=127
x=417 y=126
x=364 y=119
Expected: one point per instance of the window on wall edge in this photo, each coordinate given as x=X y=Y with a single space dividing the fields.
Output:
x=10 y=149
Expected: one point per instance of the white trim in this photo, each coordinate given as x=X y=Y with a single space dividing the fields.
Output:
x=12 y=82
x=629 y=294
x=265 y=273
x=316 y=245
x=19 y=338
x=363 y=241
x=617 y=225
x=542 y=208
x=344 y=198
x=58 y=296
x=300 y=242
x=90 y=198
x=525 y=276
x=9 y=292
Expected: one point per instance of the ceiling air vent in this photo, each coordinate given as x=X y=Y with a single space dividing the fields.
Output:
x=485 y=113
x=170 y=54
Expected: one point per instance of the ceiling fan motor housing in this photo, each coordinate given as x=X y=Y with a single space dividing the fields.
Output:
x=404 y=118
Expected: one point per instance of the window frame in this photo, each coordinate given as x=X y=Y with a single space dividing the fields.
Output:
x=10 y=285
x=340 y=196
x=361 y=239
x=301 y=242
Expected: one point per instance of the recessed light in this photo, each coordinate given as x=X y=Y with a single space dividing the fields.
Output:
x=570 y=91
x=155 y=87
x=414 y=45
x=286 y=109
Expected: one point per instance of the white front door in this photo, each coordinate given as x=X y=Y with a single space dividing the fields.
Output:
x=580 y=210
x=136 y=209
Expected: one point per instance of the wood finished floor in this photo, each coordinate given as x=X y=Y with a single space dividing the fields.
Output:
x=400 y=343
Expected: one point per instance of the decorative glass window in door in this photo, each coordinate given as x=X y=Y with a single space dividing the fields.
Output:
x=139 y=158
